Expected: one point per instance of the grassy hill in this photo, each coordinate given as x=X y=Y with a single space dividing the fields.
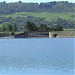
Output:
x=49 y=14
x=21 y=18
x=45 y=15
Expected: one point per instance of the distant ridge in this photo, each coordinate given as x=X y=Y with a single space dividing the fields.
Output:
x=36 y=1
x=53 y=7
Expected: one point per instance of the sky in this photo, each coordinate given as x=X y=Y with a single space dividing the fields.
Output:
x=38 y=1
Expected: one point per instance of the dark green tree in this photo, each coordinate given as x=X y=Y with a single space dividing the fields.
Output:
x=9 y=28
x=14 y=27
x=26 y=27
x=43 y=28
x=4 y=1
x=3 y=28
x=56 y=28
x=33 y=27
x=20 y=2
x=30 y=27
x=12 y=33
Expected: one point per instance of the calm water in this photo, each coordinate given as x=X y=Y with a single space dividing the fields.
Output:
x=37 y=56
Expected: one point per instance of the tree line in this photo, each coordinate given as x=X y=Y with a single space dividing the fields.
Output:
x=61 y=6
x=8 y=27
x=55 y=25
x=43 y=27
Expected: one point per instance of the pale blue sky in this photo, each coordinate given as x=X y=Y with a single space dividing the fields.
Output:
x=35 y=0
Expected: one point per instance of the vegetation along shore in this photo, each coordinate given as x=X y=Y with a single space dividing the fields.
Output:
x=20 y=17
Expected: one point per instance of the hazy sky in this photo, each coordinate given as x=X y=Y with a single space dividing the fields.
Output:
x=35 y=0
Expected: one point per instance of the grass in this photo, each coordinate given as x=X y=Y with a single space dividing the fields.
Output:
x=47 y=16
x=69 y=29
x=65 y=33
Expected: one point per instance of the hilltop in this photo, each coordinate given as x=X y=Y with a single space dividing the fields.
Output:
x=52 y=7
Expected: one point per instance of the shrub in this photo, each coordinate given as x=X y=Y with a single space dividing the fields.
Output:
x=12 y=33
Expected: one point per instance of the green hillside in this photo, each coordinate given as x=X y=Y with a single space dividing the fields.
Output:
x=49 y=16
x=66 y=19
x=45 y=15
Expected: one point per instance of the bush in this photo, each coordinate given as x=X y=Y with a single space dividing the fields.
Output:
x=56 y=28
x=12 y=33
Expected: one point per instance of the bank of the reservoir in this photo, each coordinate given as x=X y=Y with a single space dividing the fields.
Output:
x=35 y=34
x=57 y=34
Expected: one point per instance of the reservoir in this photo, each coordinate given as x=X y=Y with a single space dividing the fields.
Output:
x=37 y=56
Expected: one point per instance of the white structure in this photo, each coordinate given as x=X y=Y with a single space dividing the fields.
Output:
x=52 y=35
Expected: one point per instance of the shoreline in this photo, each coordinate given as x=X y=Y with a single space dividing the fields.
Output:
x=13 y=37
x=60 y=34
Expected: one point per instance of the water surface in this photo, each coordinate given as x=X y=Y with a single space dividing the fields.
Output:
x=37 y=56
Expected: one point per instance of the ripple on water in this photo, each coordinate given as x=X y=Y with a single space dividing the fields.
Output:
x=10 y=63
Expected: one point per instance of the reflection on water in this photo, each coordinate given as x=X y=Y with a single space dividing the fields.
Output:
x=37 y=56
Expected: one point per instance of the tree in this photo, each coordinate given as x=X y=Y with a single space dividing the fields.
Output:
x=20 y=2
x=14 y=27
x=12 y=33
x=4 y=1
x=56 y=28
x=43 y=28
x=30 y=27
x=9 y=28
x=26 y=27
x=3 y=28
x=33 y=27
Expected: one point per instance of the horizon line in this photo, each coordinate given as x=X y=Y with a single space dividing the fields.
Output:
x=35 y=2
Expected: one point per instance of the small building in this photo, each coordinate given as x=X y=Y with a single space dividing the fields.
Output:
x=35 y=34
